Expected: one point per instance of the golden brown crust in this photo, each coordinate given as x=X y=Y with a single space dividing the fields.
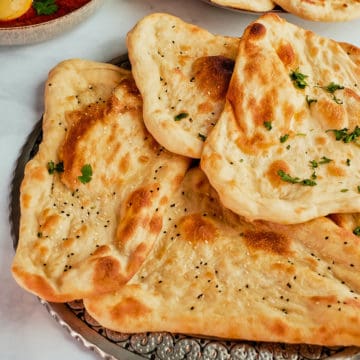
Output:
x=275 y=153
x=80 y=237
x=213 y=273
x=182 y=72
x=322 y=10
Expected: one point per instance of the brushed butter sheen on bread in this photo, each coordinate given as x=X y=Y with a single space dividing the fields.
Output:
x=322 y=10
x=81 y=238
x=213 y=273
x=285 y=146
x=182 y=72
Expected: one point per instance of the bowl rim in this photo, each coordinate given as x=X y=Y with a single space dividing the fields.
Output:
x=52 y=21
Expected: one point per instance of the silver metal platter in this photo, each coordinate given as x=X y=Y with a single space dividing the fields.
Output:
x=111 y=345
x=277 y=9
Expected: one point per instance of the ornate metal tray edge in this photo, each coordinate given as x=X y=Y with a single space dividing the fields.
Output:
x=77 y=330
x=110 y=345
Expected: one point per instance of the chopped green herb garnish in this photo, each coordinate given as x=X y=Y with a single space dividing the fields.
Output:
x=286 y=177
x=324 y=160
x=295 y=180
x=39 y=234
x=358 y=188
x=313 y=164
x=337 y=100
x=181 y=116
x=298 y=79
x=332 y=87
x=52 y=167
x=343 y=135
x=310 y=100
x=267 y=125
x=45 y=7
x=308 y=182
x=344 y=190
x=348 y=162
x=86 y=174
x=284 y=138
x=356 y=231
x=202 y=136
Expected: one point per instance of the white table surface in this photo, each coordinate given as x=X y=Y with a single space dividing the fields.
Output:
x=27 y=332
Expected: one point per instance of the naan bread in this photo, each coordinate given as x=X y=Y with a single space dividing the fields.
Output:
x=251 y=5
x=182 y=72
x=322 y=10
x=80 y=238
x=213 y=273
x=349 y=222
x=280 y=150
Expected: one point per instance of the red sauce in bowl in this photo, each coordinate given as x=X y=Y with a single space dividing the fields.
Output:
x=31 y=18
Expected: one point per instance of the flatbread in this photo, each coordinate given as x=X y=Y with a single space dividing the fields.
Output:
x=322 y=10
x=182 y=72
x=274 y=153
x=213 y=273
x=250 y=5
x=349 y=222
x=80 y=233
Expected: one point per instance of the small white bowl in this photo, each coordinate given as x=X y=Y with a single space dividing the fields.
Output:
x=20 y=35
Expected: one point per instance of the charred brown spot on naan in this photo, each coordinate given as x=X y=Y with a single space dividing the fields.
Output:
x=107 y=274
x=130 y=87
x=156 y=224
x=335 y=170
x=136 y=206
x=26 y=200
x=212 y=75
x=196 y=229
x=39 y=284
x=283 y=268
x=279 y=327
x=127 y=229
x=268 y=241
x=330 y=299
x=124 y=164
x=101 y=251
x=330 y=114
x=352 y=51
x=137 y=257
x=140 y=199
x=129 y=308
x=273 y=175
x=355 y=303
x=321 y=140
x=287 y=55
x=49 y=221
x=257 y=31
x=79 y=123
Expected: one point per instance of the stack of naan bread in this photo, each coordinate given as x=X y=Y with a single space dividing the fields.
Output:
x=257 y=240
x=315 y=10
